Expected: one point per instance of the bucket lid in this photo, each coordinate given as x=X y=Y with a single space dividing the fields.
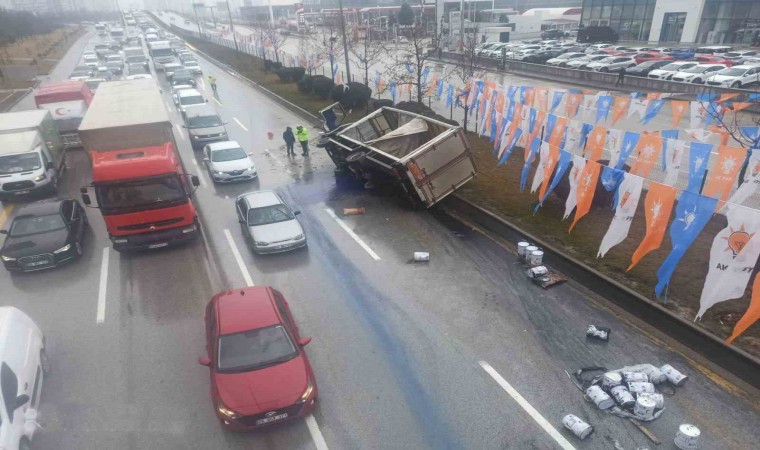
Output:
x=522 y=244
x=532 y=247
x=537 y=252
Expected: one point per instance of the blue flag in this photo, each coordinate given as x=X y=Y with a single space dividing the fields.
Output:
x=478 y=93
x=393 y=90
x=699 y=156
x=635 y=95
x=510 y=111
x=425 y=73
x=502 y=135
x=652 y=110
x=508 y=151
x=532 y=120
x=585 y=130
x=629 y=143
x=534 y=148
x=439 y=89
x=409 y=68
x=754 y=97
x=449 y=95
x=335 y=71
x=603 y=104
x=752 y=134
x=692 y=213
x=551 y=121
x=666 y=134
x=511 y=93
x=564 y=162
x=712 y=113
x=556 y=100
x=611 y=178
x=523 y=89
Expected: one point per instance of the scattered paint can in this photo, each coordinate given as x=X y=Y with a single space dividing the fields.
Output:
x=687 y=437
x=644 y=407
x=599 y=397
x=597 y=332
x=538 y=271
x=610 y=380
x=623 y=397
x=529 y=250
x=659 y=400
x=577 y=425
x=673 y=375
x=641 y=387
x=635 y=376
x=353 y=211
x=521 y=246
x=535 y=258
x=421 y=256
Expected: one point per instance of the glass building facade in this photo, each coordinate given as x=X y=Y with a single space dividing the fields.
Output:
x=730 y=22
x=632 y=19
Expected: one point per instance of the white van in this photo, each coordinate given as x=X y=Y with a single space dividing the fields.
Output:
x=26 y=165
x=23 y=364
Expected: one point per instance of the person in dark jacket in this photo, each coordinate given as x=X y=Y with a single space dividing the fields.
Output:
x=289 y=139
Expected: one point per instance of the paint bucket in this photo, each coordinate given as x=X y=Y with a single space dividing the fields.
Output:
x=640 y=387
x=673 y=375
x=687 y=437
x=623 y=397
x=421 y=256
x=599 y=397
x=577 y=426
x=535 y=258
x=644 y=407
x=610 y=380
x=635 y=376
x=659 y=400
x=529 y=250
x=521 y=246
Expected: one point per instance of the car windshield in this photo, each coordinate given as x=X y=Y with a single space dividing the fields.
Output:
x=269 y=214
x=734 y=72
x=695 y=69
x=30 y=225
x=646 y=64
x=227 y=154
x=162 y=52
x=255 y=349
x=148 y=192
x=674 y=66
x=608 y=60
x=733 y=54
x=19 y=163
x=192 y=100
x=207 y=121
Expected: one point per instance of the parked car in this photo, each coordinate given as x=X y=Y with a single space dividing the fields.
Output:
x=183 y=76
x=227 y=162
x=541 y=57
x=714 y=50
x=204 y=126
x=176 y=90
x=44 y=234
x=612 y=64
x=598 y=47
x=268 y=224
x=682 y=53
x=741 y=56
x=667 y=71
x=736 y=77
x=260 y=373
x=187 y=98
x=697 y=74
x=23 y=367
x=564 y=58
x=643 y=57
x=193 y=66
x=582 y=63
x=169 y=69
x=712 y=59
x=643 y=69
x=521 y=55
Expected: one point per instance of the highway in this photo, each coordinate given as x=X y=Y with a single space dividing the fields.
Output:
x=461 y=352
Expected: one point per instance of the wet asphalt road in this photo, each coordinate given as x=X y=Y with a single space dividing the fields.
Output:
x=397 y=346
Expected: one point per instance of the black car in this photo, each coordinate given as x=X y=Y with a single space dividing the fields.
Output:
x=43 y=235
x=643 y=69
x=542 y=57
x=183 y=76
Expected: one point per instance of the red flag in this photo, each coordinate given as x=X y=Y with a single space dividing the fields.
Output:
x=551 y=162
x=619 y=108
x=679 y=107
x=658 y=207
x=572 y=103
x=585 y=190
x=647 y=153
x=752 y=314
x=721 y=179
x=595 y=143
x=559 y=130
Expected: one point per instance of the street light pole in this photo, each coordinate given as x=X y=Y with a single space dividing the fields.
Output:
x=345 y=44
x=213 y=16
x=232 y=27
x=198 y=22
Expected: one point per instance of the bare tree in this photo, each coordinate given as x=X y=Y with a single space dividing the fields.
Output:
x=466 y=65
x=410 y=64
x=365 y=53
x=326 y=45
x=270 y=37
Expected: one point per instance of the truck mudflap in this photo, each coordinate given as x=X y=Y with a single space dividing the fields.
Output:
x=157 y=239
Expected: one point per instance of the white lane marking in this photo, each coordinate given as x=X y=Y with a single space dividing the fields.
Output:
x=101 y=316
x=203 y=83
x=315 y=432
x=238 y=258
x=200 y=173
x=179 y=128
x=535 y=415
x=169 y=105
x=217 y=101
x=352 y=234
x=240 y=123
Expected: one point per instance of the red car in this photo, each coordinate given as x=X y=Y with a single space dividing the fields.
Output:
x=712 y=59
x=260 y=374
x=641 y=57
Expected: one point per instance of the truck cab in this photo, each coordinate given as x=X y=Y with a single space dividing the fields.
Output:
x=161 y=53
x=26 y=165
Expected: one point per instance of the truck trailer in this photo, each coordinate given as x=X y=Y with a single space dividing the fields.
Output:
x=138 y=180
x=424 y=158
x=67 y=101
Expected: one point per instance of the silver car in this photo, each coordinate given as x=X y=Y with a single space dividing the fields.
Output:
x=226 y=162
x=268 y=225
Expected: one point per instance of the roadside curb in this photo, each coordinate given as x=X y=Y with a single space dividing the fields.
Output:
x=734 y=360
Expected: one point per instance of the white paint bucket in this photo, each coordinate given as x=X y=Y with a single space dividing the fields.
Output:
x=528 y=250
x=421 y=256
x=521 y=246
x=641 y=387
x=644 y=407
x=635 y=376
x=610 y=380
x=535 y=258
x=659 y=400
x=673 y=375
x=687 y=437
x=623 y=397
x=599 y=397
x=577 y=426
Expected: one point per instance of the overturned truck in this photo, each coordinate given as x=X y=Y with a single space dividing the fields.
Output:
x=424 y=158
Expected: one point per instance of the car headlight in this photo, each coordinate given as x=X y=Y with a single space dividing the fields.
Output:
x=223 y=410
x=216 y=172
x=195 y=136
x=251 y=169
x=41 y=177
x=7 y=258
x=299 y=237
x=65 y=248
x=262 y=243
x=306 y=393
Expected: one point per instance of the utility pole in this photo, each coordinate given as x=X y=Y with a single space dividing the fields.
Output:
x=213 y=16
x=198 y=22
x=232 y=27
x=345 y=44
